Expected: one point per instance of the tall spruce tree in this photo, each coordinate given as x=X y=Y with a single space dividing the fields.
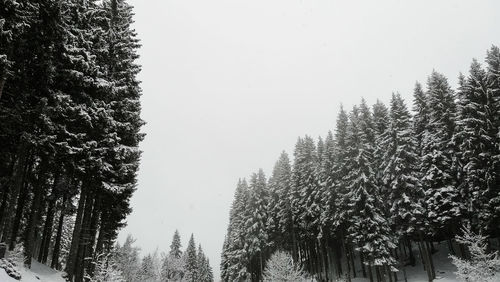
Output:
x=401 y=171
x=368 y=229
x=438 y=178
x=191 y=261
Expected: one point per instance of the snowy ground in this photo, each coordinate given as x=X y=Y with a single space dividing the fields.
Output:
x=444 y=268
x=37 y=273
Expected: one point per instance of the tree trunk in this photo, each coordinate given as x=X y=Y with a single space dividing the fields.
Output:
x=352 y=262
x=29 y=244
x=17 y=181
x=428 y=267
x=81 y=257
x=431 y=261
x=5 y=196
x=49 y=221
x=410 y=252
x=347 y=260
x=102 y=234
x=3 y=79
x=361 y=261
x=75 y=239
x=19 y=209
x=57 y=246
x=96 y=215
x=370 y=272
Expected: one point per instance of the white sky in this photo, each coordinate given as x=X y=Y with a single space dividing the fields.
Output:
x=229 y=84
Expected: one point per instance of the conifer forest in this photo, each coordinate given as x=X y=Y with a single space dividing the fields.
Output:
x=402 y=190
x=385 y=185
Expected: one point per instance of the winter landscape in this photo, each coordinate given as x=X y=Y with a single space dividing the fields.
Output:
x=223 y=140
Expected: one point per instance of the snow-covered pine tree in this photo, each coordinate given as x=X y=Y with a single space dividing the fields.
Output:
x=126 y=258
x=306 y=201
x=421 y=114
x=255 y=225
x=476 y=135
x=280 y=267
x=205 y=273
x=493 y=192
x=176 y=246
x=367 y=226
x=191 y=261
x=442 y=199
x=326 y=181
x=483 y=266
x=146 y=271
x=380 y=123
x=235 y=252
x=400 y=167
x=279 y=224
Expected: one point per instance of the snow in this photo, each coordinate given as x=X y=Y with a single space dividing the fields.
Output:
x=445 y=270
x=37 y=273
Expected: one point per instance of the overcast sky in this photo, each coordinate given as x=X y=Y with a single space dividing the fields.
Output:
x=229 y=84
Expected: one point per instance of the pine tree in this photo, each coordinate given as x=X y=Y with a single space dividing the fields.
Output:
x=191 y=261
x=438 y=179
x=175 y=247
x=279 y=223
x=421 y=116
x=255 y=224
x=493 y=191
x=400 y=170
x=476 y=136
x=204 y=269
x=368 y=228
x=235 y=251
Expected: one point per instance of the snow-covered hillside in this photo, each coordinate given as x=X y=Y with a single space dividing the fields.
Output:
x=37 y=273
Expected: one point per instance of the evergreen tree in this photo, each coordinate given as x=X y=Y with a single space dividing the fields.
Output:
x=438 y=179
x=255 y=224
x=191 y=261
x=368 y=228
x=279 y=223
x=493 y=190
x=400 y=170
x=204 y=270
x=421 y=117
x=175 y=247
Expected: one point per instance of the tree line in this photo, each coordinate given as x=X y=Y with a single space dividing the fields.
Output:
x=69 y=128
x=387 y=179
x=192 y=265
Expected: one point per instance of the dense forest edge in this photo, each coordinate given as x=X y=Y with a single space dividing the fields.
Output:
x=388 y=182
x=69 y=128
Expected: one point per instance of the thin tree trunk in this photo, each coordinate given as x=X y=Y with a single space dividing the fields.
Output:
x=370 y=272
x=5 y=196
x=428 y=268
x=431 y=262
x=347 y=260
x=352 y=262
x=57 y=246
x=49 y=221
x=96 y=214
x=17 y=182
x=81 y=257
x=422 y=259
x=3 y=79
x=29 y=244
x=20 y=208
x=410 y=252
x=75 y=239
x=361 y=261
